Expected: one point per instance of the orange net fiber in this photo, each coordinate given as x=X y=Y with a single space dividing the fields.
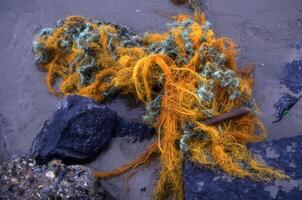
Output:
x=184 y=76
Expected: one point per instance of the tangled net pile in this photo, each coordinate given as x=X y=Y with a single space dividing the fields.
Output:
x=184 y=76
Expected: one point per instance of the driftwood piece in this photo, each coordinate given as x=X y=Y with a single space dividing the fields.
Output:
x=229 y=115
x=178 y=2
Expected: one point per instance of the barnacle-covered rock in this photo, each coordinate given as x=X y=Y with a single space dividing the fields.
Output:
x=80 y=129
x=22 y=178
x=284 y=154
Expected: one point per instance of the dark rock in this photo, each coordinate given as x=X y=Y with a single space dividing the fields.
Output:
x=20 y=179
x=285 y=103
x=291 y=76
x=284 y=154
x=77 y=131
x=80 y=129
x=136 y=130
x=4 y=131
x=298 y=46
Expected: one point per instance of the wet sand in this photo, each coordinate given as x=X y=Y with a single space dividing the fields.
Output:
x=264 y=30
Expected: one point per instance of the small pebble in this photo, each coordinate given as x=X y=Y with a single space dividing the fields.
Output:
x=14 y=181
x=50 y=175
x=55 y=162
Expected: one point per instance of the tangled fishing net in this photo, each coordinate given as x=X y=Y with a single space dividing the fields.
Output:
x=184 y=76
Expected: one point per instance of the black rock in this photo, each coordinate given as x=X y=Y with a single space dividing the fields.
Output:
x=80 y=129
x=291 y=76
x=285 y=103
x=284 y=154
x=136 y=130
x=76 y=131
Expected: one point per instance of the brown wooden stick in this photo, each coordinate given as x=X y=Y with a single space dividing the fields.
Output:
x=229 y=115
x=178 y=2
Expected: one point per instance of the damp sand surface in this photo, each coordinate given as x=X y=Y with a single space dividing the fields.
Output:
x=266 y=33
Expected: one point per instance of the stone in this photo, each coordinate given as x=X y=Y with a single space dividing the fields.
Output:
x=50 y=175
x=77 y=131
x=283 y=154
x=80 y=129
x=291 y=76
x=67 y=182
x=285 y=103
x=138 y=131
